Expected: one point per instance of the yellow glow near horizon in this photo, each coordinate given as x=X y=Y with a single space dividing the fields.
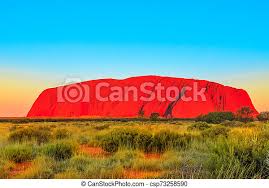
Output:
x=18 y=94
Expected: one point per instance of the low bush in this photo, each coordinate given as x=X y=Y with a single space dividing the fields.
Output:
x=109 y=144
x=60 y=150
x=238 y=159
x=105 y=169
x=116 y=138
x=144 y=141
x=228 y=123
x=41 y=168
x=166 y=140
x=199 y=126
x=83 y=140
x=62 y=134
x=40 y=135
x=85 y=167
x=127 y=157
x=154 y=116
x=216 y=117
x=142 y=164
x=171 y=160
x=101 y=127
x=21 y=121
x=263 y=116
x=80 y=163
x=245 y=114
x=19 y=153
x=216 y=131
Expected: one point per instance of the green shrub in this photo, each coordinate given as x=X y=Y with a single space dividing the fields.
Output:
x=245 y=114
x=144 y=141
x=60 y=150
x=267 y=162
x=40 y=135
x=80 y=163
x=249 y=124
x=101 y=127
x=242 y=158
x=21 y=121
x=263 y=116
x=122 y=137
x=62 y=134
x=105 y=169
x=83 y=140
x=126 y=157
x=216 y=117
x=85 y=167
x=216 y=131
x=147 y=165
x=199 y=126
x=228 y=123
x=19 y=153
x=109 y=144
x=154 y=116
x=166 y=140
x=42 y=168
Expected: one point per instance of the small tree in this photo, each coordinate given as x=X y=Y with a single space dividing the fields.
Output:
x=245 y=114
x=141 y=113
x=263 y=116
x=154 y=116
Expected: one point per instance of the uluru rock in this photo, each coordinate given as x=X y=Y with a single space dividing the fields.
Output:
x=112 y=98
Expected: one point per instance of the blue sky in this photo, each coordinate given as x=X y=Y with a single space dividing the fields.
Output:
x=44 y=42
x=120 y=38
x=223 y=24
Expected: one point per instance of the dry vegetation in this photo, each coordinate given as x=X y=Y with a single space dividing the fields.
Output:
x=134 y=149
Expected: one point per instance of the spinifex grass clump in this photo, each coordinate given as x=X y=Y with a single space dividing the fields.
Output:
x=38 y=134
x=19 y=153
x=216 y=131
x=199 y=126
x=60 y=150
x=101 y=127
x=62 y=134
x=80 y=163
x=88 y=167
x=42 y=168
x=228 y=123
x=144 y=141
x=166 y=140
x=237 y=158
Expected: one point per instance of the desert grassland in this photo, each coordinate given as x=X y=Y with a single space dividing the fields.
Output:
x=134 y=149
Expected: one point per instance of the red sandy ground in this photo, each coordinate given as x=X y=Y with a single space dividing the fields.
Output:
x=97 y=152
x=19 y=168
x=93 y=151
x=152 y=155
